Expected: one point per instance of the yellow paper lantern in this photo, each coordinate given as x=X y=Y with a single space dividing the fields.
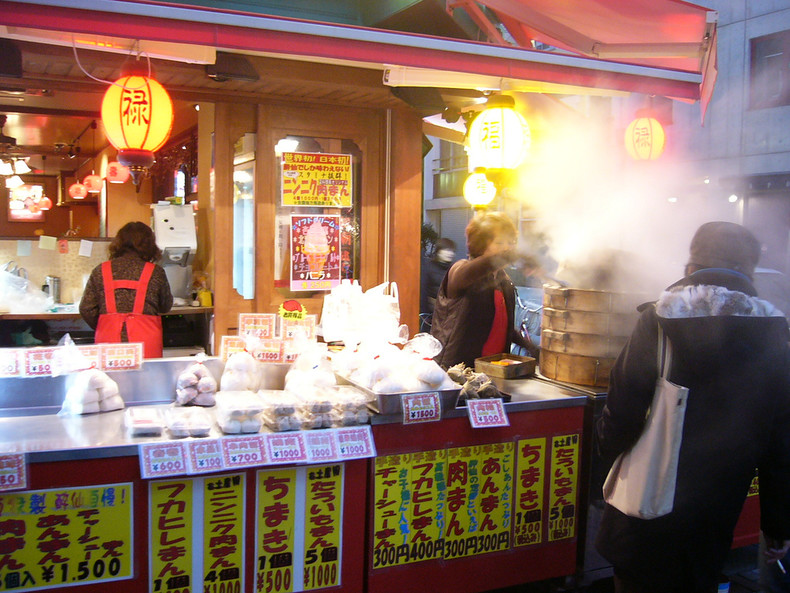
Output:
x=644 y=139
x=479 y=190
x=137 y=114
x=499 y=137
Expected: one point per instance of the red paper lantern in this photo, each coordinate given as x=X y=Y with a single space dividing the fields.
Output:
x=137 y=114
x=92 y=183
x=78 y=191
x=45 y=203
x=117 y=173
x=644 y=139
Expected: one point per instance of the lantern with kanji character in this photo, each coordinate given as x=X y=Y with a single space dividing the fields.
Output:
x=137 y=114
x=92 y=183
x=499 y=137
x=78 y=191
x=478 y=189
x=644 y=139
x=116 y=172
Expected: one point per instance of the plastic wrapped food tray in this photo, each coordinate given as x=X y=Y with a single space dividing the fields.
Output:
x=390 y=403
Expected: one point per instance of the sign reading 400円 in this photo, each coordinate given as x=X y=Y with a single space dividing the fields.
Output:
x=67 y=536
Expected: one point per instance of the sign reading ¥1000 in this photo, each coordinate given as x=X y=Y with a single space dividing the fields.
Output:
x=51 y=539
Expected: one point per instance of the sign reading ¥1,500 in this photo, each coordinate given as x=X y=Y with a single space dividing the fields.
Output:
x=56 y=538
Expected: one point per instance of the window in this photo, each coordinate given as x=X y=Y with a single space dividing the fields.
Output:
x=770 y=71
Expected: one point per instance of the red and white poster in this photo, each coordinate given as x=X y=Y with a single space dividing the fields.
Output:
x=315 y=245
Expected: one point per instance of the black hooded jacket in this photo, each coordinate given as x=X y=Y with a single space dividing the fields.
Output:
x=731 y=350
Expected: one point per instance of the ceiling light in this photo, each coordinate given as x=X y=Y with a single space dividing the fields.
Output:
x=6 y=168
x=14 y=182
x=20 y=167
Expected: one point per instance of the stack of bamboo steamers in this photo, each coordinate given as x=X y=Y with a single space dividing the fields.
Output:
x=583 y=331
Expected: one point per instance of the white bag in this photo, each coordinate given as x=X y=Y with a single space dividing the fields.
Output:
x=642 y=480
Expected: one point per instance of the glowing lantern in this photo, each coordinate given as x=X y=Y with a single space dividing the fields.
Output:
x=117 y=173
x=78 y=191
x=499 y=137
x=45 y=203
x=137 y=114
x=478 y=190
x=644 y=139
x=92 y=183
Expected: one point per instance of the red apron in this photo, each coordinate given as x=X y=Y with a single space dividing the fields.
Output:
x=139 y=328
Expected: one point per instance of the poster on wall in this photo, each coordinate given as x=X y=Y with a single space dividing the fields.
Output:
x=315 y=245
x=316 y=179
x=25 y=203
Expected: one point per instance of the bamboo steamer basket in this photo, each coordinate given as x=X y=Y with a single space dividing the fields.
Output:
x=581 y=370
x=582 y=344
x=583 y=331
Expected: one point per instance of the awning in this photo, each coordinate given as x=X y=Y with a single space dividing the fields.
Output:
x=543 y=71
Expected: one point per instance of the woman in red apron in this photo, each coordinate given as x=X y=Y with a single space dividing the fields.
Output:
x=125 y=296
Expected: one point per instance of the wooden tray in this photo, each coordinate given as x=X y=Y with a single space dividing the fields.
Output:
x=523 y=368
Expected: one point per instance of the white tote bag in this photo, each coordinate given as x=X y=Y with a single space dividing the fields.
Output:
x=642 y=480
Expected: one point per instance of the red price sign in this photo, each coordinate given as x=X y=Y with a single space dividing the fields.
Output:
x=322 y=446
x=288 y=447
x=355 y=442
x=10 y=365
x=260 y=325
x=421 y=407
x=243 y=451
x=230 y=345
x=159 y=460
x=269 y=351
x=485 y=413
x=204 y=456
x=121 y=357
x=13 y=472
x=38 y=361
x=92 y=354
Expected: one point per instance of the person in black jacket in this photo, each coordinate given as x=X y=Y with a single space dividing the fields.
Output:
x=432 y=273
x=730 y=349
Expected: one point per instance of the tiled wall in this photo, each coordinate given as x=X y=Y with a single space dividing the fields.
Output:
x=72 y=268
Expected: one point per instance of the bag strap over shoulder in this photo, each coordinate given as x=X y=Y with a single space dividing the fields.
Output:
x=664 y=353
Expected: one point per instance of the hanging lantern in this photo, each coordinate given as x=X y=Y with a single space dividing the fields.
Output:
x=499 y=138
x=45 y=203
x=137 y=114
x=478 y=189
x=78 y=191
x=117 y=173
x=644 y=139
x=92 y=183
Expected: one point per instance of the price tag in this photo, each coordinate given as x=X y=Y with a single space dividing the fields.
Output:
x=230 y=345
x=13 y=472
x=159 y=460
x=421 y=407
x=291 y=349
x=355 y=442
x=322 y=446
x=299 y=328
x=204 y=456
x=485 y=413
x=286 y=447
x=243 y=451
x=38 y=361
x=269 y=351
x=10 y=365
x=92 y=354
x=260 y=325
x=121 y=357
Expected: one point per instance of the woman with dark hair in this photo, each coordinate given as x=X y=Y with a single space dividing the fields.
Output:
x=126 y=295
x=475 y=306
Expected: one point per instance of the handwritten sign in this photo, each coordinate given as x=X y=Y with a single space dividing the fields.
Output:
x=230 y=345
x=260 y=325
x=287 y=447
x=38 y=362
x=121 y=357
x=321 y=446
x=355 y=442
x=159 y=460
x=204 y=456
x=421 y=407
x=240 y=451
x=13 y=472
x=486 y=413
x=10 y=362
